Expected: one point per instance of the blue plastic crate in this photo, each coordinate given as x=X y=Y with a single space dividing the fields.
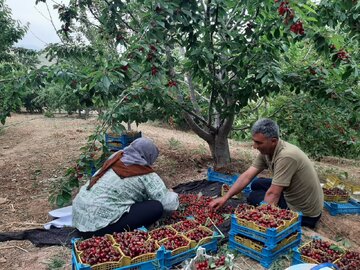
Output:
x=266 y=251
x=270 y=238
x=266 y=257
x=169 y=260
x=124 y=140
x=221 y=177
x=295 y=258
x=352 y=207
x=156 y=264
x=228 y=179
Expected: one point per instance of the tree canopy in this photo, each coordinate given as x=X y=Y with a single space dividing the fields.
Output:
x=203 y=60
x=10 y=33
x=209 y=59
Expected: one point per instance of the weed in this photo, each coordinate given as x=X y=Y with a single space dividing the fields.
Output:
x=201 y=150
x=174 y=143
x=49 y=114
x=56 y=263
x=281 y=263
x=35 y=184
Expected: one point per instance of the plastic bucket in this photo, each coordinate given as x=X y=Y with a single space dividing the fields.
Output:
x=312 y=266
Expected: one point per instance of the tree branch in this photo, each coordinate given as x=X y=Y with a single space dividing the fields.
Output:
x=188 y=79
x=195 y=127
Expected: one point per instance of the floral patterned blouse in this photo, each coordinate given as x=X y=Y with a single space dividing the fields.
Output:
x=112 y=196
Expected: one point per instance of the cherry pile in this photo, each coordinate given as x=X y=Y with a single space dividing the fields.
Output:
x=202 y=265
x=268 y=209
x=198 y=234
x=242 y=208
x=349 y=261
x=266 y=215
x=208 y=264
x=198 y=207
x=335 y=191
x=321 y=251
x=135 y=243
x=186 y=225
x=127 y=238
x=97 y=250
x=174 y=242
x=139 y=248
x=161 y=233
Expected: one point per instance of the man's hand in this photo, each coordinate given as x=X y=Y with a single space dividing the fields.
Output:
x=217 y=203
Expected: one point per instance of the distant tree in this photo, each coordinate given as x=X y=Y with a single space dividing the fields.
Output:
x=11 y=32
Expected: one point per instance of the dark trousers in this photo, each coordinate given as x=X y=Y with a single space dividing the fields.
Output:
x=259 y=188
x=140 y=214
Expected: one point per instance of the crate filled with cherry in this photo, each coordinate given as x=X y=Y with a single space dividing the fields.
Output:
x=265 y=223
x=163 y=232
x=96 y=253
x=350 y=260
x=137 y=246
x=199 y=236
x=336 y=194
x=318 y=251
x=178 y=249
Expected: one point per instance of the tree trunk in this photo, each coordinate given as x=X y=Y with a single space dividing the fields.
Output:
x=220 y=152
x=215 y=137
x=87 y=113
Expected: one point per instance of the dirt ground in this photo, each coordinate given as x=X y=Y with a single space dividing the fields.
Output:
x=35 y=151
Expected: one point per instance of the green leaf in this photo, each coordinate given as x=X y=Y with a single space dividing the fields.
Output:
x=269 y=36
x=356 y=72
x=311 y=19
x=161 y=23
x=309 y=9
x=264 y=79
x=123 y=63
x=106 y=82
x=278 y=80
x=277 y=33
x=260 y=74
x=347 y=73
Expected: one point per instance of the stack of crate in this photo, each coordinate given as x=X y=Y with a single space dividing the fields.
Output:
x=337 y=199
x=116 y=142
x=264 y=232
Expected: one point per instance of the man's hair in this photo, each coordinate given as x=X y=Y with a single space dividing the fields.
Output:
x=267 y=127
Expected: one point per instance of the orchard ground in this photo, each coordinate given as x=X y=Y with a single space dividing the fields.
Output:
x=35 y=152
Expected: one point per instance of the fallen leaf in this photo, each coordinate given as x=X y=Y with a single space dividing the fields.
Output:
x=3 y=200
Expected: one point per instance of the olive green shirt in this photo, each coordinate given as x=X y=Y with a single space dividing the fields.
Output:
x=293 y=170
